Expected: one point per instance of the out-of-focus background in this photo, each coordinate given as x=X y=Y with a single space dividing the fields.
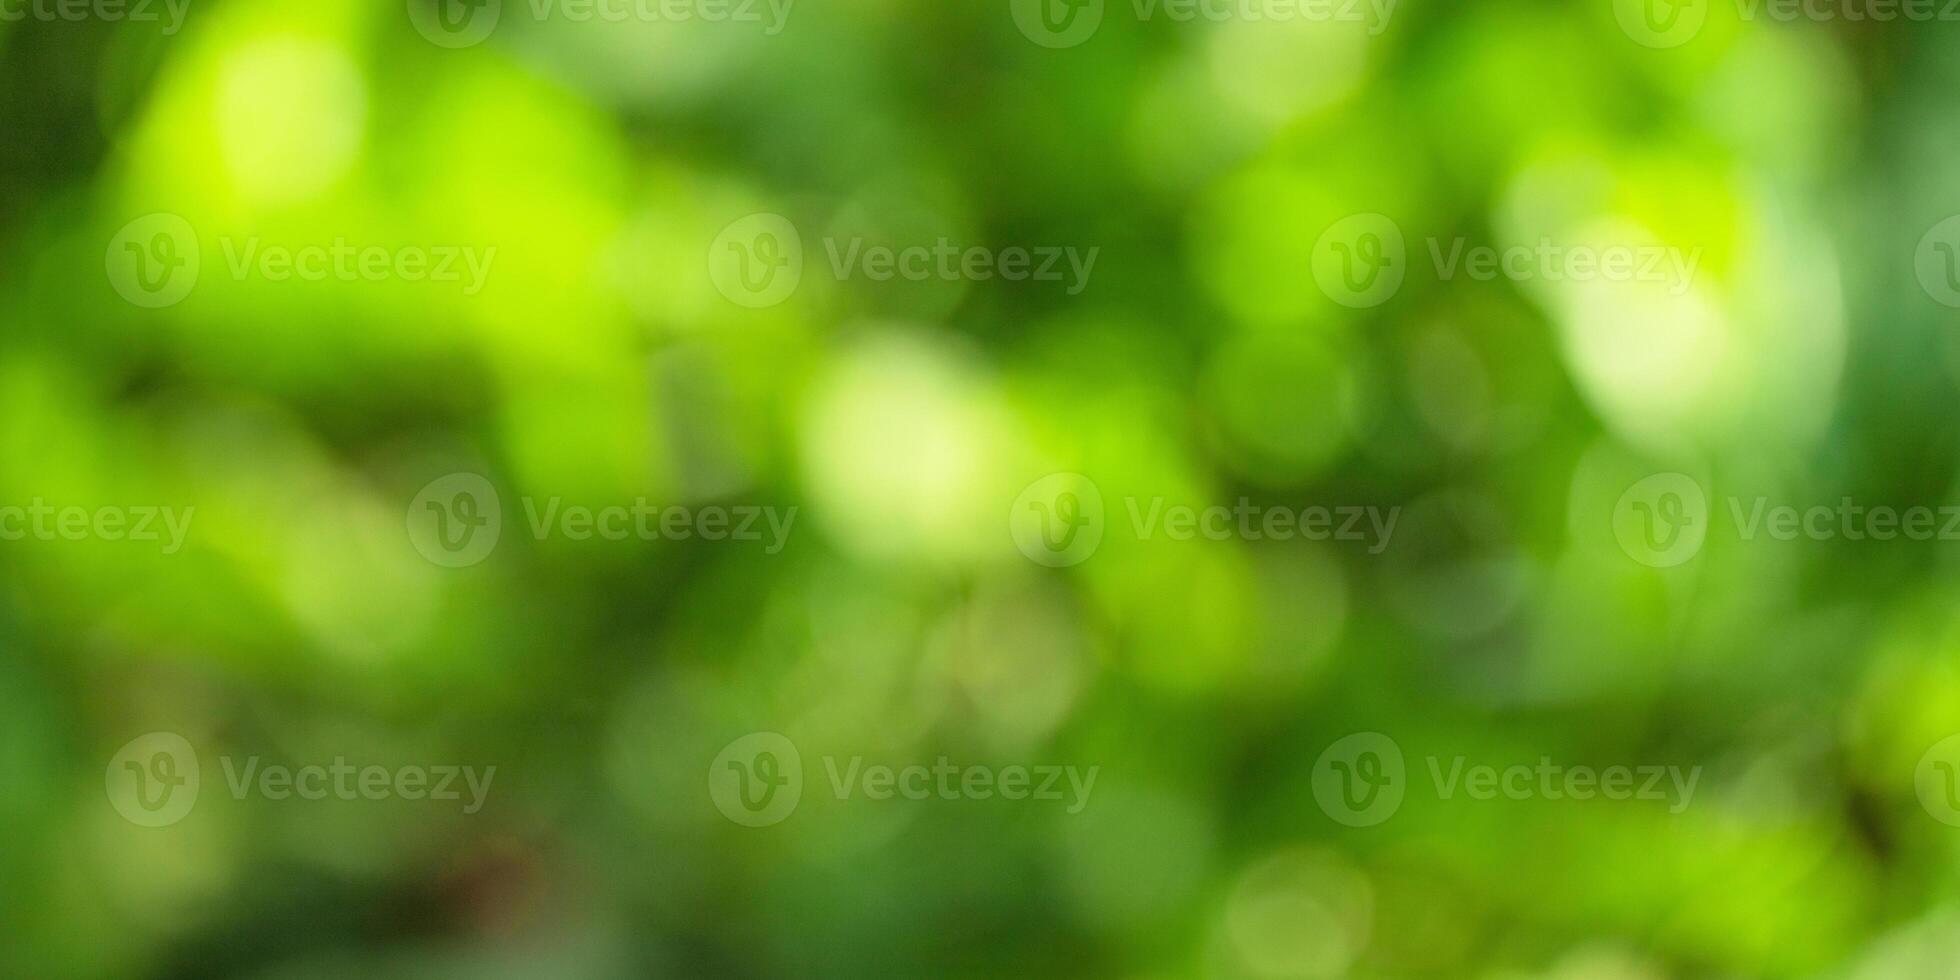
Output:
x=665 y=404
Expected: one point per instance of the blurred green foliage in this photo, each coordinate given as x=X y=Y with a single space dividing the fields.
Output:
x=1202 y=364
